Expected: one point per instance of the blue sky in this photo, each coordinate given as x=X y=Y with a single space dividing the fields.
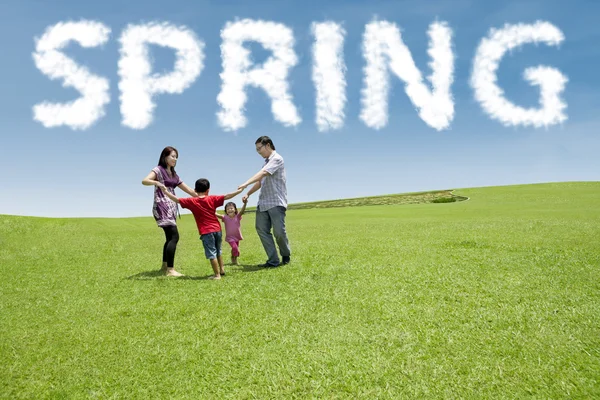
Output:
x=59 y=172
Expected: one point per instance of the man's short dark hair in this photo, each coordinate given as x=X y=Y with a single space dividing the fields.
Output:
x=202 y=185
x=265 y=140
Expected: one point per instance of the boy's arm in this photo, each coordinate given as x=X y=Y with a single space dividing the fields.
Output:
x=169 y=195
x=233 y=194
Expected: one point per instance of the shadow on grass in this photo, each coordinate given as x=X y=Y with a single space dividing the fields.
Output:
x=152 y=275
x=157 y=274
x=195 y=278
x=248 y=267
x=147 y=275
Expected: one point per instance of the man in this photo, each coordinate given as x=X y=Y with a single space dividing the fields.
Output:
x=272 y=202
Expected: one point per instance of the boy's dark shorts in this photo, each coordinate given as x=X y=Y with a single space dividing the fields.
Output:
x=212 y=244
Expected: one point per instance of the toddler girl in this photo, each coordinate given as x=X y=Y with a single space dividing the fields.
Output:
x=233 y=231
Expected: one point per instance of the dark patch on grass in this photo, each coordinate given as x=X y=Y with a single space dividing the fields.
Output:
x=469 y=244
x=444 y=200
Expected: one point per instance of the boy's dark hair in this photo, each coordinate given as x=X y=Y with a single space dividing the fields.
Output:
x=265 y=140
x=231 y=203
x=202 y=185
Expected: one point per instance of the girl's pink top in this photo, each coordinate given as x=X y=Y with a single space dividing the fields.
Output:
x=233 y=230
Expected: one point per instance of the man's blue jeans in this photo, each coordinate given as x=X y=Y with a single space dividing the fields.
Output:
x=275 y=218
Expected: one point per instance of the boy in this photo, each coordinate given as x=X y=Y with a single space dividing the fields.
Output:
x=203 y=208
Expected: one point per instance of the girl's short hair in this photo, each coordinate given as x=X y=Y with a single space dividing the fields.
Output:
x=231 y=203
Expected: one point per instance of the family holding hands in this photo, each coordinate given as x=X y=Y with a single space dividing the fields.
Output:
x=270 y=210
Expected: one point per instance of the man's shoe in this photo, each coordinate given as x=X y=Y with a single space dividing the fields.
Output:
x=285 y=260
x=267 y=265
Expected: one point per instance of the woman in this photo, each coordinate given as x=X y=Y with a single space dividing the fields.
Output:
x=164 y=210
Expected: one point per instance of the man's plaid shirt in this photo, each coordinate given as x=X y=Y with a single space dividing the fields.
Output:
x=273 y=190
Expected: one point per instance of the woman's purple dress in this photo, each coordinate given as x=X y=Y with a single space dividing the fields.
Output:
x=164 y=209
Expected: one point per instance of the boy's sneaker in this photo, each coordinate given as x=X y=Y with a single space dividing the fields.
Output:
x=285 y=260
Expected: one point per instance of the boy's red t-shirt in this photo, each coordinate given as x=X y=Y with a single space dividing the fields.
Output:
x=204 y=209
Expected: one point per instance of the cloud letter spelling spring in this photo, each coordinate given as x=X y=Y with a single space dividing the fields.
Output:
x=137 y=85
x=328 y=75
x=551 y=81
x=272 y=77
x=383 y=51
x=383 y=46
x=48 y=57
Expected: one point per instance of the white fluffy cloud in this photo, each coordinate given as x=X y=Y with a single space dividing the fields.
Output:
x=328 y=74
x=271 y=77
x=138 y=85
x=551 y=81
x=383 y=48
x=48 y=57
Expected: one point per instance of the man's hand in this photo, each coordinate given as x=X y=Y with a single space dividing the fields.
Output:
x=245 y=199
x=243 y=186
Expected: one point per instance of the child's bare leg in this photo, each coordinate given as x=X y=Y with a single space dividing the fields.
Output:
x=233 y=258
x=221 y=267
x=214 y=263
x=235 y=252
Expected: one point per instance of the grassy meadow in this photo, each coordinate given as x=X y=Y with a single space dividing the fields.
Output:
x=494 y=297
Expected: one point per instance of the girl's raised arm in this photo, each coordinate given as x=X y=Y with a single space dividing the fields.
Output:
x=243 y=208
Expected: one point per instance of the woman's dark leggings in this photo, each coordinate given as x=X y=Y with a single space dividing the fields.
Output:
x=172 y=236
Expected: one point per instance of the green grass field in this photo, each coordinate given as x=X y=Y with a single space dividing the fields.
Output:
x=494 y=297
